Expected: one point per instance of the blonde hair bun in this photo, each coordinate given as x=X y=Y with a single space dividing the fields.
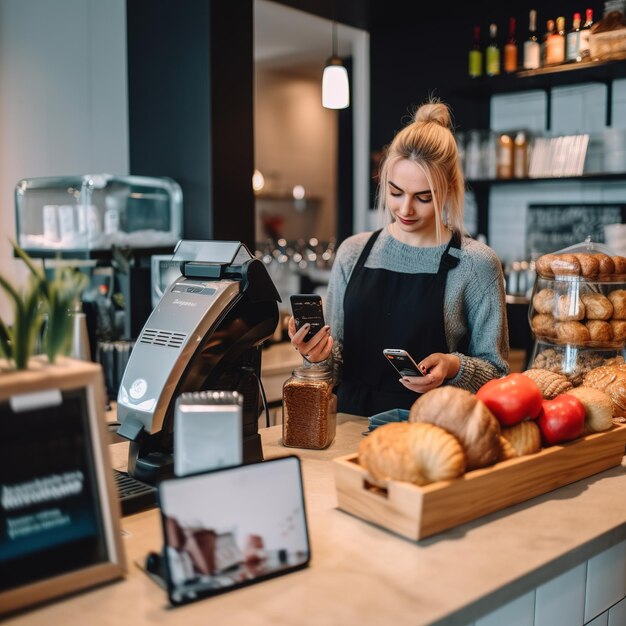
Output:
x=434 y=111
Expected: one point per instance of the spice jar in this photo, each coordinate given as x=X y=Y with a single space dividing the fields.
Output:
x=309 y=408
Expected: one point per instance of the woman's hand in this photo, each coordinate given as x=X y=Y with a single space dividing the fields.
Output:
x=317 y=349
x=437 y=367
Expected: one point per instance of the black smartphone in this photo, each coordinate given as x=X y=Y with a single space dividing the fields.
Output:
x=232 y=527
x=402 y=362
x=307 y=308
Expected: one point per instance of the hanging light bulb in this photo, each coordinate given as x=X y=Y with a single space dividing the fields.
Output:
x=335 y=86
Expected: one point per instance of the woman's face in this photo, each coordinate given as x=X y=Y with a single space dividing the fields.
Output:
x=410 y=200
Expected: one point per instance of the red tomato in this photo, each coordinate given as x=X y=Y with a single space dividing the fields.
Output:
x=512 y=398
x=561 y=419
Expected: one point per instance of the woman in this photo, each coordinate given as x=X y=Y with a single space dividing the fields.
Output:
x=417 y=284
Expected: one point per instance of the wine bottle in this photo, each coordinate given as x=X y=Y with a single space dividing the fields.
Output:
x=493 y=52
x=585 y=31
x=531 y=45
x=555 y=43
x=572 y=42
x=544 y=43
x=510 y=49
x=476 y=55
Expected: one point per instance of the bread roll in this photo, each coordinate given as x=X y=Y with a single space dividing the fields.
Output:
x=599 y=331
x=565 y=265
x=606 y=264
x=618 y=300
x=544 y=325
x=525 y=437
x=589 y=264
x=415 y=453
x=598 y=409
x=618 y=327
x=612 y=380
x=464 y=416
x=543 y=265
x=507 y=450
x=620 y=264
x=569 y=309
x=597 y=306
x=572 y=332
x=551 y=384
x=544 y=301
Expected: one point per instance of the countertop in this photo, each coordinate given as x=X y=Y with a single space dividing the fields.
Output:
x=361 y=574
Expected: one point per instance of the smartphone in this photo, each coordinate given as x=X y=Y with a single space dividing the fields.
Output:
x=307 y=308
x=402 y=362
x=233 y=526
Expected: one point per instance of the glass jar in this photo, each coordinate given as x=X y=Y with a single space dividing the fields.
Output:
x=309 y=408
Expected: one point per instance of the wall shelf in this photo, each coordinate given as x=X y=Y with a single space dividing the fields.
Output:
x=486 y=183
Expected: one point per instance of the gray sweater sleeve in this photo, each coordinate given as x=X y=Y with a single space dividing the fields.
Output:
x=474 y=301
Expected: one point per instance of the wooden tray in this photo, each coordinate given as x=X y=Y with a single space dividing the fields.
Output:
x=417 y=512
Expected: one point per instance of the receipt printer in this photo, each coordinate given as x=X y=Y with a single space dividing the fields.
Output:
x=205 y=334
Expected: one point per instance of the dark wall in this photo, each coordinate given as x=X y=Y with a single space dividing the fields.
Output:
x=190 y=92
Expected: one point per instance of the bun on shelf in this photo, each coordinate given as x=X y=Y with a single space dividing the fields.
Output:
x=598 y=408
x=617 y=298
x=551 y=384
x=415 y=453
x=572 y=332
x=463 y=415
x=589 y=265
x=599 y=331
x=597 y=306
x=612 y=380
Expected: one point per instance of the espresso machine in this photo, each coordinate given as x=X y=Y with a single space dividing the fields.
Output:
x=205 y=334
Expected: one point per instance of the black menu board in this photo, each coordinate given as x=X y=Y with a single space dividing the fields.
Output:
x=55 y=517
x=552 y=227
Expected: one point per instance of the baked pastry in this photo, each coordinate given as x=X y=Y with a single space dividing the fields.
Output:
x=569 y=308
x=619 y=329
x=525 y=437
x=544 y=325
x=620 y=264
x=565 y=265
x=543 y=265
x=589 y=264
x=606 y=263
x=463 y=415
x=598 y=409
x=544 y=301
x=599 y=331
x=415 y=453
x=597 y=306
x=507 y=450
x=572 y=332
x=612 y=380
x=551 y=384
x=618 y=300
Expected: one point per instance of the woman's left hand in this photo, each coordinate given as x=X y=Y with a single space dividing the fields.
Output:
x=437 y=367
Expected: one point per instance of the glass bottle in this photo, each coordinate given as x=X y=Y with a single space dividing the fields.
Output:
x=505 y=156
x=572 y=42
x=493 y=52
x=544 y=44
x=585 y=31
x=510 y=49
x=520 y=155
x=532 y=56
x=555 y=44
x=476 y=55
x=309 y=408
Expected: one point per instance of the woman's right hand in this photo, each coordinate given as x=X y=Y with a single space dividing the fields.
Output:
x=317 y=349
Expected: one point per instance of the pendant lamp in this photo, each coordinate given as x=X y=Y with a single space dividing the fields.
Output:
x=335 y=87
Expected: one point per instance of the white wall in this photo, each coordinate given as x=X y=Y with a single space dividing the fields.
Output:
x=575 y=109
x=63 y=96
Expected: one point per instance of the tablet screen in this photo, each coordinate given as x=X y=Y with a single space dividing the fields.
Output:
x=233 y=527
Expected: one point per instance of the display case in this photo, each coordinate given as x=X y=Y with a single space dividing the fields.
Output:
x=577 y=312
x=95 y=212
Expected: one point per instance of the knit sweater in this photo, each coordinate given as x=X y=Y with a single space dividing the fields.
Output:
x=474 y=303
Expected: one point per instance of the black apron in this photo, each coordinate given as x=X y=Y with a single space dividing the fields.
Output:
x=385 y=309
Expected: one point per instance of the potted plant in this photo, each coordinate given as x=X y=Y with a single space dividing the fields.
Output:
x=40 y=300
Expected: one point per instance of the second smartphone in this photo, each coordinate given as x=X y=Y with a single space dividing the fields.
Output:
x=402 y=362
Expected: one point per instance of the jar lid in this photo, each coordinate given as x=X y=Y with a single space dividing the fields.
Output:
x=314 y=371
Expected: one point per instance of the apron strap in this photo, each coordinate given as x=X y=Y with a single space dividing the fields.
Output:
x=449 y=261
x=366 y=251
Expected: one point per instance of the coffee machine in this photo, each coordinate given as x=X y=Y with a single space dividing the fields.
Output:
x=205 y=333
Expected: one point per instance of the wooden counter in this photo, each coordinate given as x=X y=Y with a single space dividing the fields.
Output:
x=360 y=574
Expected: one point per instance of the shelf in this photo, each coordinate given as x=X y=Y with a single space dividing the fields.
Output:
x=86 y=254
x=484 y=183
x=546 y=78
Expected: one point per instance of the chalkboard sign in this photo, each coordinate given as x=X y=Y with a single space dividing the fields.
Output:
x=551 y=227
x=59 y=525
